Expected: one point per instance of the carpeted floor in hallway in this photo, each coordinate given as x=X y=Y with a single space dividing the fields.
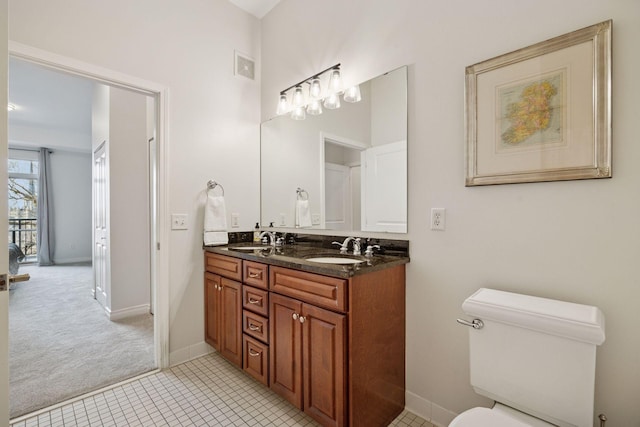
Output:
x=61 y=343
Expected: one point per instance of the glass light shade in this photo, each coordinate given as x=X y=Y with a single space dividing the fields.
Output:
x=352 y=94
x=335 y=81
x=11 y=107
x=332 y=101
x=315 y=89
x=298 y=113
x=315 y=107
x=283 y=105
x=298 y=97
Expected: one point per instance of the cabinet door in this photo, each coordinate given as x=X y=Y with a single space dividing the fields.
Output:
x=285 y=348
x=324 y=365
x=212 y=310
x=231 y=320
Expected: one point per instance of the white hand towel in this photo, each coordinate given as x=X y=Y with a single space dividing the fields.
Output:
x=303 y=214
x=215 y=221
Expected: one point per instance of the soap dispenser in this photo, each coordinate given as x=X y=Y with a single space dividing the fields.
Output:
x=256 y=233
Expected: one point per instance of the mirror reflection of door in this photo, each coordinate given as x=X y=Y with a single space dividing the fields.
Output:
x=341 y=186
x=384 y=189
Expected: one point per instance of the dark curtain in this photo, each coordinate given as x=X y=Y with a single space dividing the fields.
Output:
x=45 y=211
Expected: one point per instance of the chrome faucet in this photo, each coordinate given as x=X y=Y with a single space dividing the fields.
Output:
x=271 y=236
x=344 y=246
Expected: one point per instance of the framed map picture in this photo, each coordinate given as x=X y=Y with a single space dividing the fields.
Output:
x=541 y=113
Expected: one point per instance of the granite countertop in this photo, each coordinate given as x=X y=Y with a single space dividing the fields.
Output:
x=295 y=256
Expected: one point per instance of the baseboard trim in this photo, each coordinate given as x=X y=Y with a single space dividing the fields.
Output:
x=435 y=414
x=129 y=312
x=189 y=353
x=71 y=260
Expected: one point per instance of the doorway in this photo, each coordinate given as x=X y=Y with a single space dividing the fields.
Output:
x=159 y=348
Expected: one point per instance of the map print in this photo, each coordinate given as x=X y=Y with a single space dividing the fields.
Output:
x=531 y=112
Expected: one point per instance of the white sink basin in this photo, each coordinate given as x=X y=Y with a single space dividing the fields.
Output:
x=334 y=260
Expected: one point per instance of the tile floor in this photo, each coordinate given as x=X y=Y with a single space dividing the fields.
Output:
x=207 y=391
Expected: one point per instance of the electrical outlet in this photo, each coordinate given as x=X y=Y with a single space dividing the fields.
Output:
x=235 y=220
x=283 y=220
x=315 y=219
x=179 y=222
x=438 y=219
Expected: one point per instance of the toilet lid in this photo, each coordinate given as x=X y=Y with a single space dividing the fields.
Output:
x=485 y=417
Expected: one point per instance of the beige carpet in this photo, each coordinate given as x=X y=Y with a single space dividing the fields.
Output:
x=61 y=343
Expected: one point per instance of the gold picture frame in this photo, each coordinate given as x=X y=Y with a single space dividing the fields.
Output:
x=541 y=113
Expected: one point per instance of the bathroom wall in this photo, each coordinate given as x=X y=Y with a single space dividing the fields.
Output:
x=213 y=117
x=576 y=241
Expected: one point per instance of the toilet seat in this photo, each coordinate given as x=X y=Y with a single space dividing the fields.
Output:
x=498 y=416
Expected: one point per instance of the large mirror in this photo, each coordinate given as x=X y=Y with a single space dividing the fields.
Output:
x=345 y=169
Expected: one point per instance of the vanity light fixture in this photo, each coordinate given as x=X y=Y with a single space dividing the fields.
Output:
x=312 y=104
x=11 y=107
x=352 y=94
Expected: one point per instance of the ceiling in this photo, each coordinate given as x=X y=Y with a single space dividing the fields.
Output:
x=257 y=8
x=48 y=99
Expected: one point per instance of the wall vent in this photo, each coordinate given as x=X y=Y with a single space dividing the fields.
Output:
x=244 y=66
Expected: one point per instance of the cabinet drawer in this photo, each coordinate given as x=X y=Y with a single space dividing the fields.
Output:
x=255 y=274
x=223 y=265
x=255 y=325
x=323 y=291
x=256 y=359
x=256 y=300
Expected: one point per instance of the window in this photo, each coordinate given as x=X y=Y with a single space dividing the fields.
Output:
x=23 y=201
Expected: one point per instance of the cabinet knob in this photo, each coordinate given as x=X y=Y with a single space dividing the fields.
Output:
x=295 y=316
x=302 y=319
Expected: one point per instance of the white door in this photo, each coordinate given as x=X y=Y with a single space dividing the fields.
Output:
x=384 y=188
x=4 y=256
x=337 y=190
x=100 y=229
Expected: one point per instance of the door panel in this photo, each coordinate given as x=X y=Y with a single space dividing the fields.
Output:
x=285 y=348
x=384 y=188
x=324 y=360
x=337 y=207
x=231 y=321
x=4 y=256
x=100 y=230
x=212 y=310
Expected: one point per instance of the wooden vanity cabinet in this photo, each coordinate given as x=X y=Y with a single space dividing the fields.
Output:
x=308 y=358
x=338 y=345
x=223 y=307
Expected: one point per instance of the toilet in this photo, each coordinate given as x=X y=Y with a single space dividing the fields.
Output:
x=535 y=357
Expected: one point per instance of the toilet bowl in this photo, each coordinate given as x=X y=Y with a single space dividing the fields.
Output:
x=535 y=357
x=498 y=416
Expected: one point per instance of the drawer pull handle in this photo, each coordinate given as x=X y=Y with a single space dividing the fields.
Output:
x=255 y=275
x=295 y=316
x=254 y=301
x=254 y=327
x=254 y=353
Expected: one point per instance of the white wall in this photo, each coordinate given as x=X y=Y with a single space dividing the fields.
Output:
x=71 y=187
x=213 y=116
x=576 y=241
x=129 y=222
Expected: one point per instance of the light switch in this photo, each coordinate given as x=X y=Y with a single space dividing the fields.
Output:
x=179 y=222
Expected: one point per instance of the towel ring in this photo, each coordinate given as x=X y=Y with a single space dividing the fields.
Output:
x=301 y=194
x=212 y=184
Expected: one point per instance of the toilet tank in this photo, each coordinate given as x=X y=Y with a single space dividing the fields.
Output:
x=535 y=354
